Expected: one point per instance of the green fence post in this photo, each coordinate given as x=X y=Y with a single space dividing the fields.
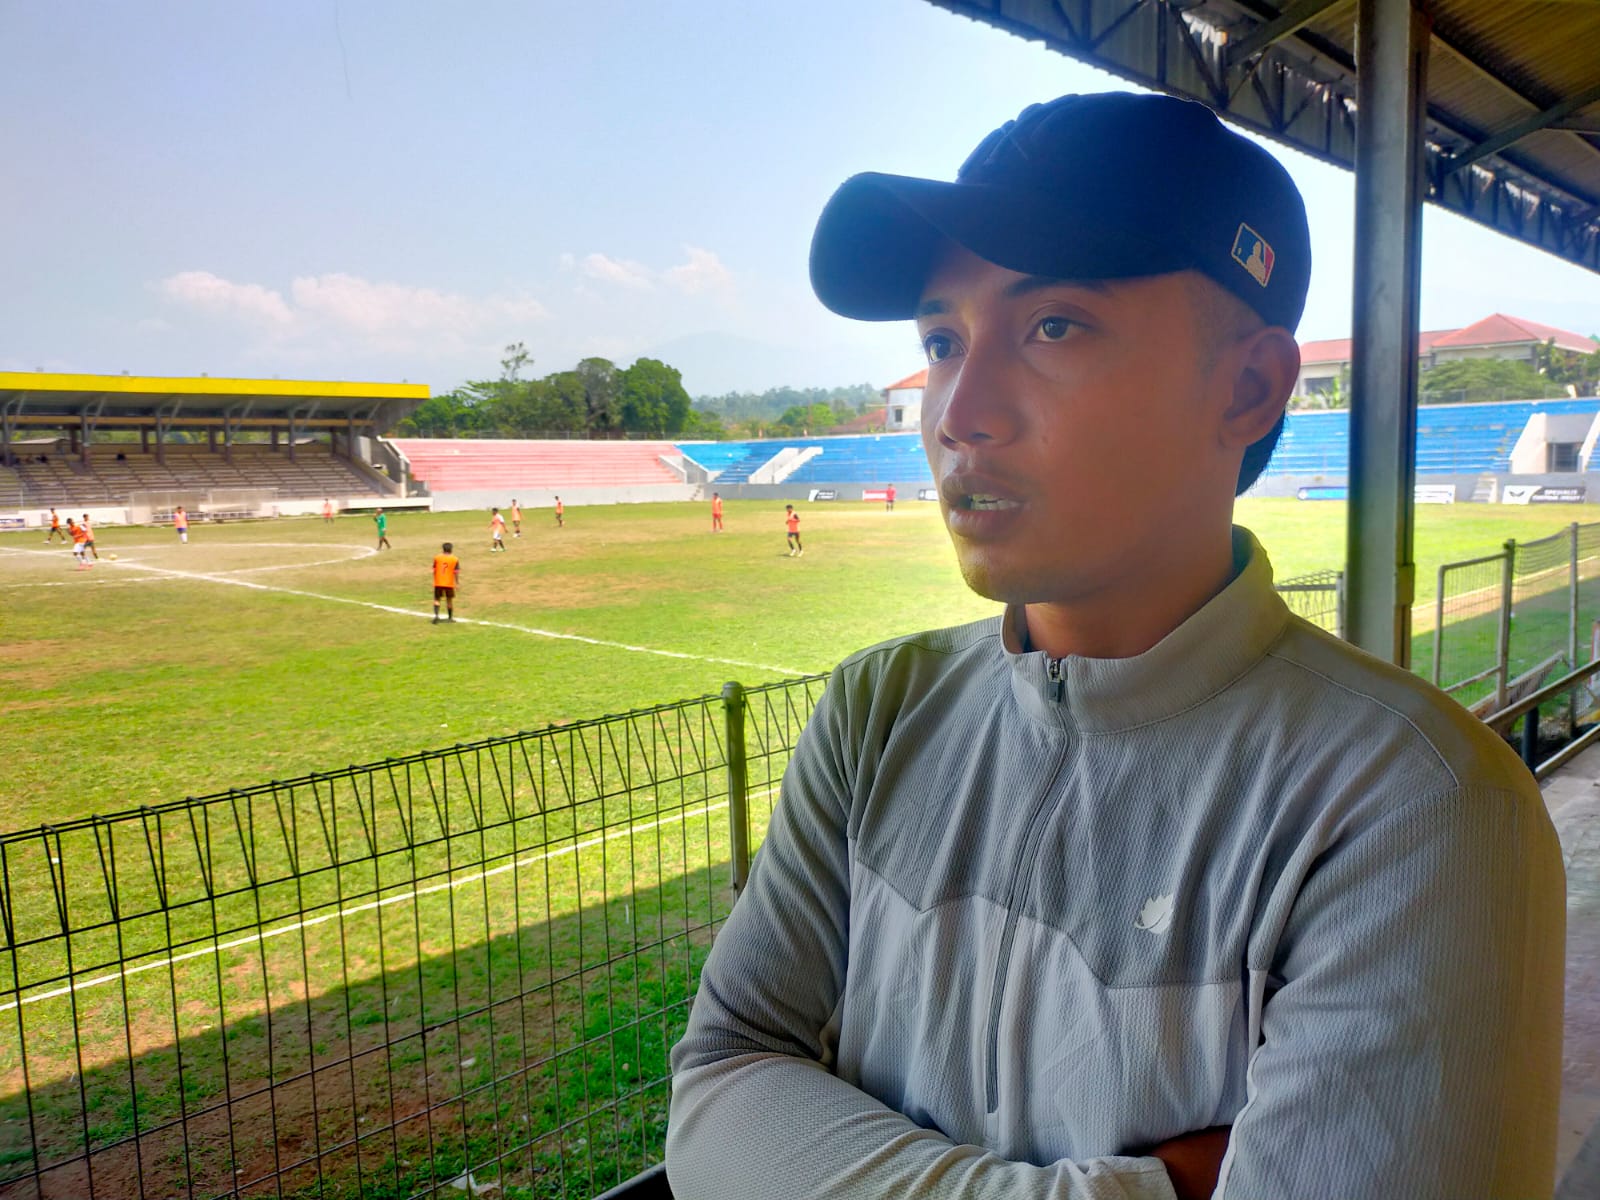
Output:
x=1502 y=650
x=1572 y=628
x=733 y=707
x=1438 y=625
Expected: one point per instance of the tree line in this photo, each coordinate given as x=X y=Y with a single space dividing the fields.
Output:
x=598 y=399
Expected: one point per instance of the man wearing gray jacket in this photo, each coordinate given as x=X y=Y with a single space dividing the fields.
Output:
x=1147 y=888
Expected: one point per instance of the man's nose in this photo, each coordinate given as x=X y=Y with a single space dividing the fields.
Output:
x=977 y=406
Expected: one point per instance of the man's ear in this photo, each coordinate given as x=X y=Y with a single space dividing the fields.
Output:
x=1266 y=365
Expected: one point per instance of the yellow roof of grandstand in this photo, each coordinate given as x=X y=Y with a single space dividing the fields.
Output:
x=185 y=385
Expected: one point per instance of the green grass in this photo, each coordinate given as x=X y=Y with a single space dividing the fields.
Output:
x=561 y=985
x=125 y=688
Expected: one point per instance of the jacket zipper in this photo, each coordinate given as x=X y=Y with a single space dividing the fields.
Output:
x=1056 y=670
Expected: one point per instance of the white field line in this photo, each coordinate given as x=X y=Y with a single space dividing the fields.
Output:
x=261 y=935
x=227 y=578
x=359 y=552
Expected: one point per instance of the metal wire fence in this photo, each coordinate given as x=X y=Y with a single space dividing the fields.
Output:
x=461 y=967
x=1503 y=622
x=1318 y=597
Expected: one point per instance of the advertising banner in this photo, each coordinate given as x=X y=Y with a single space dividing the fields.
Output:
x=12 y=521
x=823 y=494
x=878 y=494
x=928 y=494
x=1539 y=493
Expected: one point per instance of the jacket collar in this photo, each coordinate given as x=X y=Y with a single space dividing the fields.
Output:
x=1201 y=657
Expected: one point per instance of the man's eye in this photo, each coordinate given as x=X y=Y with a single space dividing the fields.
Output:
x=937 y=346
x=1053 y=329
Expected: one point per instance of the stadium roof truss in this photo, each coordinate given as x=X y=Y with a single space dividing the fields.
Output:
x=1488 y=108
x=1512 y=127
x=59 y=401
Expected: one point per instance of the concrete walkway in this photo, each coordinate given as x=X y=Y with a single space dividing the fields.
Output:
x=1573 y=797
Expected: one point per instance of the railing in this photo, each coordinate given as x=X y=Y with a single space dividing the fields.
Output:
x=1573 y=685
x=461 y=967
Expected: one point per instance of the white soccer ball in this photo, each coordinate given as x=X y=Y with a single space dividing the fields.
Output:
x=112 y=557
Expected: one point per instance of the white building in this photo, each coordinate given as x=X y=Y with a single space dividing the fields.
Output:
x=902 y=402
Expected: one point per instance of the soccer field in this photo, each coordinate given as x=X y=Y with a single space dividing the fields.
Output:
x=268 y=650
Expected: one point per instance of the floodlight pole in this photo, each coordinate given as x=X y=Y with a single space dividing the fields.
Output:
x=1391 y=97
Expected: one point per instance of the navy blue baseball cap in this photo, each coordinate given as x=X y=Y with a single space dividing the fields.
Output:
x=1105 y=186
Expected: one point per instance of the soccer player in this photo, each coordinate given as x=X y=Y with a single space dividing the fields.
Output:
x=180 y=522
x=55 y=528
x=497 y=531
x=446 y=573
x=1147 y=887
x=80 y=543
x=381 y=520
x=716 y=513
x=561 y=513
x=516 y=518
x=888 y=498
x=327 y=510
x=88 y=538
x=791 y=521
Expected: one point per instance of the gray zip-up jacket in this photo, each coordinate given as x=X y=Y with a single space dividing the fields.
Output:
x=1015 y=920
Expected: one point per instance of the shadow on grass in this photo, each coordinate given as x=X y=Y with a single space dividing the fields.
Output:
x=534 y=1060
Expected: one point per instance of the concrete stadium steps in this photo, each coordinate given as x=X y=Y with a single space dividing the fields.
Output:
x=315 y=473
x=471 y=464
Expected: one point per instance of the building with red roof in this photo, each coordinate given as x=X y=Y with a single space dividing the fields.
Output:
x=1496 y=336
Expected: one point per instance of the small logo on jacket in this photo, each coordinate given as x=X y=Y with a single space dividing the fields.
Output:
x=1250 y=251
x=1156 y=914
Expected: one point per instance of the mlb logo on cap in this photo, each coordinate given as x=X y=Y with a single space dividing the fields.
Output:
x=1250 y=251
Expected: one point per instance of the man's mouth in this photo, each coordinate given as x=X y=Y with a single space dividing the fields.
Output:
x=978 y=502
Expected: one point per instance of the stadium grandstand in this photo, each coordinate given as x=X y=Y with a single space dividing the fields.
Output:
x=130 y=449
x=1525 y=437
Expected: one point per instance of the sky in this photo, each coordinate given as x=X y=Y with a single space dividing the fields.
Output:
x=392 y=190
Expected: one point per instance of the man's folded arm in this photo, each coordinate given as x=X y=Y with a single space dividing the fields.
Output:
x=755 y=1111
x=1411 y=1035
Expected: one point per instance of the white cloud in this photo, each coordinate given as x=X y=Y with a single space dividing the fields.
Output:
x=337 y=312
x=617 y=270
x=703 y=272
x=212 y=293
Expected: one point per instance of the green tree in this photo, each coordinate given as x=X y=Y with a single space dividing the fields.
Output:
x=651 y=398
x=602 y=386
x=1473 y=379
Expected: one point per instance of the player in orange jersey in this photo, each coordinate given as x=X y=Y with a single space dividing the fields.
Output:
x=80 y=543
x=327 y=509
x=516 y=518
x=888 y=498
x=180 y=523
x=791 y=520
x=88 y=533
x=446 y=572
x=497 y=531
x=561 y=512
x=55 y=528
x=716 y=512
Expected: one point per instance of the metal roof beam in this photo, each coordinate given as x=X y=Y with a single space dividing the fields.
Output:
x=1291 y=20
x=1515 y=133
